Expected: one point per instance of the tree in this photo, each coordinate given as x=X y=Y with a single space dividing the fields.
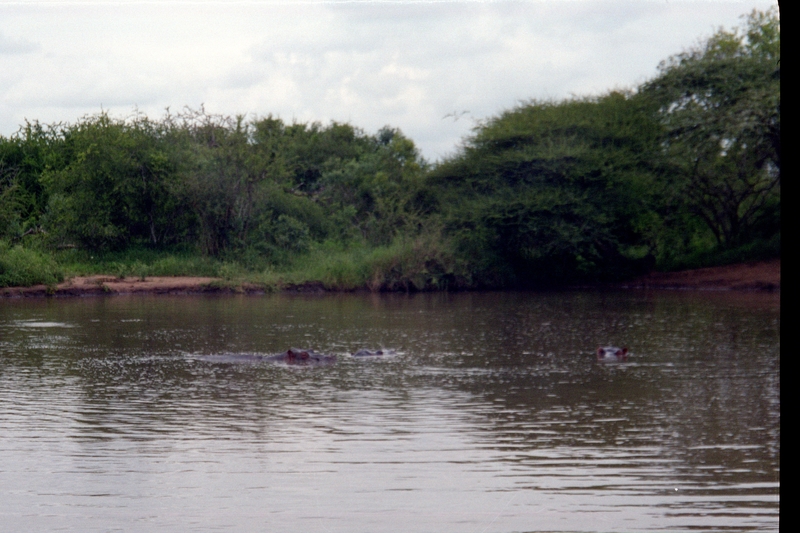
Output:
x=227 y=163
x=115 y=188
x=24 y=157
x=719 y=104
x=550 y=192
x=381 y=192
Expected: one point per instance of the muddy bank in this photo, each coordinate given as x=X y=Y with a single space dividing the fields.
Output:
x=108 y=285
x=755 y=276
x=99 y=285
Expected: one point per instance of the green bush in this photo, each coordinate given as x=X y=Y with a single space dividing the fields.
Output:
x=407 y=264
x=756 y=250
x=21 y=267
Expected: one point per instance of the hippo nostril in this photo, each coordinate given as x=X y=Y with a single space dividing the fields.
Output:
x=612 y=353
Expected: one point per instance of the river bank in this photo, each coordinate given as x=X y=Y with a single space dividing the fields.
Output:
x=752 y=276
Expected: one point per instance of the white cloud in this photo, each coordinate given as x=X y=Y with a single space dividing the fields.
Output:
x=402 y=64
x=9 y=46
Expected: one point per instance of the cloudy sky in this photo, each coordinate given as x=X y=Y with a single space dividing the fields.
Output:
x=431 y=68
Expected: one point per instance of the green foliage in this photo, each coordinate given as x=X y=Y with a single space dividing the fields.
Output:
x=10 y=202
x=407 y=264
x=719 y=104
x=311 y=150
x=223 y=176
x=116 y=189
x=383 y=189
x=705 y=256
x=417 y=264
x=24 y=158
x=683 y=172
x=23 y=267
x=551 y=192
x=137 y=261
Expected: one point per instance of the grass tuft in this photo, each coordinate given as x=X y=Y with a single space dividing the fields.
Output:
x=23 y=267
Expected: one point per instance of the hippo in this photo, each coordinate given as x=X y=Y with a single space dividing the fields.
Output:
x=302 y=356
x=292 y=356
x=232 y=358
x=373 y=353
x=612 y=353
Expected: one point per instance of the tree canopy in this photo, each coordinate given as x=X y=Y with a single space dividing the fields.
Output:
x=719 y=105
x=684 y=170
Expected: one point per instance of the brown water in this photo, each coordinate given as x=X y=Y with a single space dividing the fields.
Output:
x=119 y=415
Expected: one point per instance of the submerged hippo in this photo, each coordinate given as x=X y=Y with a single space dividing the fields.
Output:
x=231 y=358
x=373 y=353
x=612 y=353
x=292 y=356
x=302 y=356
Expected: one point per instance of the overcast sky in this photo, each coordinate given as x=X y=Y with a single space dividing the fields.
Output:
x=430 y=68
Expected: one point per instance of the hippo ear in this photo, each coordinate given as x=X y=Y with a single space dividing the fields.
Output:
x=601 y=352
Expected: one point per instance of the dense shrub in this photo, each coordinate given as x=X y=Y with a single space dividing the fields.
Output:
x=22 y=267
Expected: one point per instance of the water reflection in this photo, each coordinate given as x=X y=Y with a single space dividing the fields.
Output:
x=493 y=416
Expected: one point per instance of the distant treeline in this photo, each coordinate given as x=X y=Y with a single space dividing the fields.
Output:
x=682 y=172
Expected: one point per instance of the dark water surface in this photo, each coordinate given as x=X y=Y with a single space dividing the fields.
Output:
x=118 y=413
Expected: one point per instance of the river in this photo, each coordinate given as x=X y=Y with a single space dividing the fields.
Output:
x=146 y=413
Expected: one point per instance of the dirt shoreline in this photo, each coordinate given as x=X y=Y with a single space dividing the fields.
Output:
x=751 y=276
x=754 y=276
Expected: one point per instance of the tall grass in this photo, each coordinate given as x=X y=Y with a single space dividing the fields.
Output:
x=23 y=267
x=138 y=262
x=757 y=250
x=408 y=264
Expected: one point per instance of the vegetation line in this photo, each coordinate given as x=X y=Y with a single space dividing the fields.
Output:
x=684 y=171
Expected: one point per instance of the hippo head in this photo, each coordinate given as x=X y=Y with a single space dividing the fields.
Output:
x=612 y=353
x=297 y=355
